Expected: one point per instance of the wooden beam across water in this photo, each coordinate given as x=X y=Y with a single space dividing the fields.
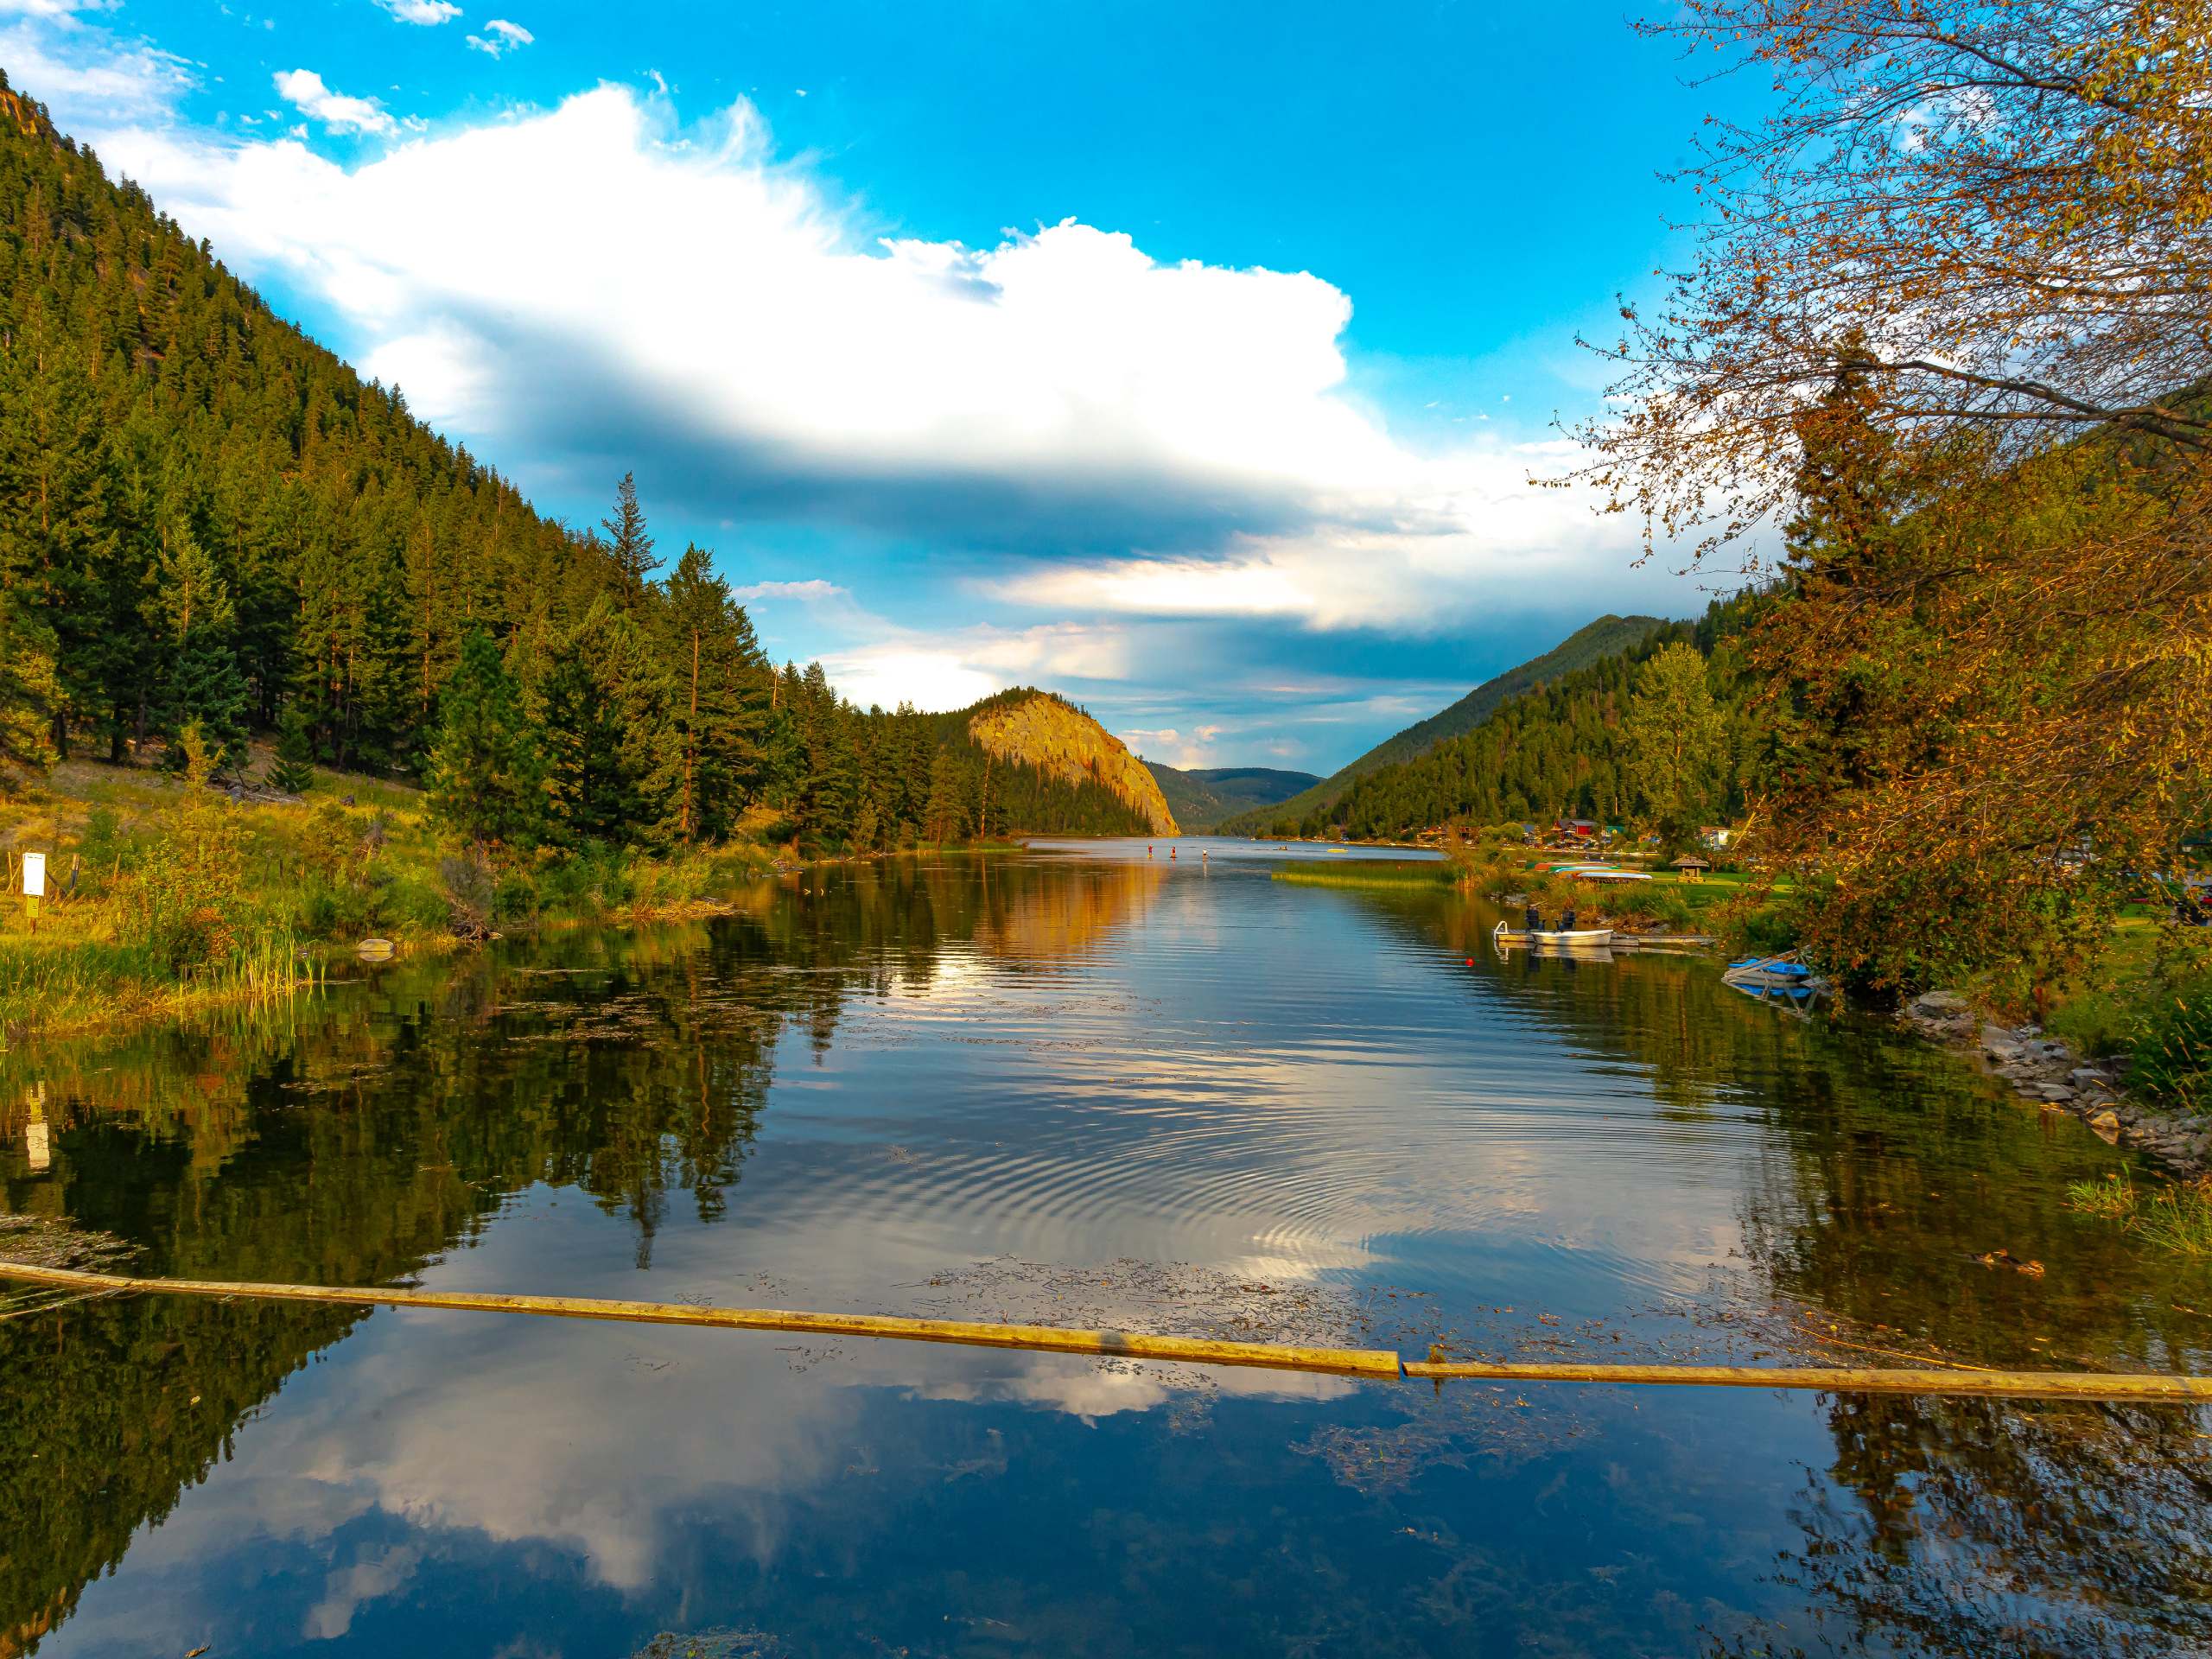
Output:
x=2147 y=1387
x=1041 y=1339
x=2150 y=1387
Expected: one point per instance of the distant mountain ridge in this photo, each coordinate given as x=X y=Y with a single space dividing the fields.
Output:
x=1202 y=797
x=1608 y=636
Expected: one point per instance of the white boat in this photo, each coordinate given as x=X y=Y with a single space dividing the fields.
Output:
x=1580 y=938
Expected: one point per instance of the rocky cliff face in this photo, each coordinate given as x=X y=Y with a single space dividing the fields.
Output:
x=1057 y=738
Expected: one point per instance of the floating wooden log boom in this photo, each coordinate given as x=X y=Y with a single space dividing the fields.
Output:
x=2149 y=1387
x=1043 y=1339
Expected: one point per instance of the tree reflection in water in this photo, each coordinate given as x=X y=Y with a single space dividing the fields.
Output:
x=361 y=1138
x=355 y=1139
x=1967 y=1528
x=1982 y=1528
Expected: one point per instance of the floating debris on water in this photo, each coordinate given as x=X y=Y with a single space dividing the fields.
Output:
x=723 y=1644
x=45 y=1243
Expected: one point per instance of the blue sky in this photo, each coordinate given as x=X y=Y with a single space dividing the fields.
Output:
x=1191 y=359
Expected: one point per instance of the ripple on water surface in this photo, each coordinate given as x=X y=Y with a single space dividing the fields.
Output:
x=1084 y=1088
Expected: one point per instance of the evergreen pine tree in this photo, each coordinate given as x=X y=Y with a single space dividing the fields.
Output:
x=628 y=545
x=292 y=772
x=487 y=773
x=1677 y=742
x=614 y=755
x=29 y=691
x=720 y=708
x=202 y=685
x=868 y=828
x=58 y=530
x=1844 y=642
x=945 y=816
x=829 y=792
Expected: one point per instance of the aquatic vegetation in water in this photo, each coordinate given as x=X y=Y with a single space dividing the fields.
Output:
x=1371 y=873
x=712 y=1644
x=2176 y=1218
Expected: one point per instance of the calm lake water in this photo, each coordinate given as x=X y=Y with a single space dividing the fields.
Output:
x=1075 y=1086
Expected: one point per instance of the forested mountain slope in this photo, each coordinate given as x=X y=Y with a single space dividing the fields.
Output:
x=1202 y=796
x=208 y=521
x=1609 y=636
x=1564 y=747
x=1060 y=742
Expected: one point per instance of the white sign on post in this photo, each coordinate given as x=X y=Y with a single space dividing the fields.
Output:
x=34 y=875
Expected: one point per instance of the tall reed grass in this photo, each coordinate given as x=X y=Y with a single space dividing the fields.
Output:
x=2176 y=1217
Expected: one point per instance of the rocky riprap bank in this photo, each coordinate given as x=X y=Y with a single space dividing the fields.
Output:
x=2049 y=1073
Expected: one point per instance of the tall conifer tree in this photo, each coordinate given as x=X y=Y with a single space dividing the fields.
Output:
x=720 y=681
x=201 y=683
x=487 y=772
x=627 y=544
x=614 y=754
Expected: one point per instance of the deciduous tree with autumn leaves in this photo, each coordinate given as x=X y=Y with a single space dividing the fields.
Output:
x=1940 y=372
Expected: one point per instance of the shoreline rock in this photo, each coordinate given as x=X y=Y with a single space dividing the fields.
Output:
x=2049 y=1073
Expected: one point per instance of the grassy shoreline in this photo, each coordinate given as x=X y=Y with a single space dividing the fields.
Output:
x=168 y=900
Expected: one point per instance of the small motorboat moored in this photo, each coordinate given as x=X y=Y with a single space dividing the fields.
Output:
x=1776 y=979
x=1580 y=938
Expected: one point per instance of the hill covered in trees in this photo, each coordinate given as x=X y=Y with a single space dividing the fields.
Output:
x=1049 y=736
x=210 y=524
x=1609 y=636
x=1594 y=742
x=1202 y=796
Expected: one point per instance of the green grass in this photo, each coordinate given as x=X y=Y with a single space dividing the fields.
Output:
x=2113 y=1198
x=2096 y=1021
x=65 y=984
x=2128 y=991
x=2176 y=1218
x=1369 y=873
x=186 y=901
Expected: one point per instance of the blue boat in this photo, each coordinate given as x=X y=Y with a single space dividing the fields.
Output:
x=1774 y=979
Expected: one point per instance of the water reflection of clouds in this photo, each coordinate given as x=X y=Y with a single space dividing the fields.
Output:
x=600 y=1442
x=1284 y=1086
x=1212 y=1113
x=1347 y=1111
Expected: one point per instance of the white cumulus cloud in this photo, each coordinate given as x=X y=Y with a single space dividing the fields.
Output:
x=85 y=75
x=952 y=668
x=305 y=92
x=813 y=588
x=429 y=13
x=1471 y=530
x=499 y=37
x=59 y=11
x=1192 y=425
